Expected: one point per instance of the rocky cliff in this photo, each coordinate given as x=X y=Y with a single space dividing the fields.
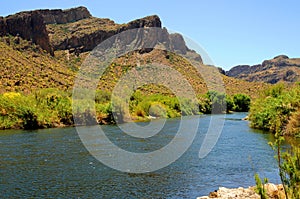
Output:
x=31 y=25
x=28 y=25
x=59 y=16
x=280 y=68
x=72 y=29
x=87 y=33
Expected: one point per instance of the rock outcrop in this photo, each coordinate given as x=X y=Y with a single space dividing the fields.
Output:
x=77 y=31
x=88 y=33
x=3 y=30
x=280 y=68
x=31 y=25
x=59 y=16
x=239 y=193
x=272 y=191
x=150 y=21
x=70 y=29
x=237 y=70
x=178 y=43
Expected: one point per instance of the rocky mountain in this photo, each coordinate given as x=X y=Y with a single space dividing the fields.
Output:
x=86 y=34
x=280 y=68
x=45 y=48
x=75 y=29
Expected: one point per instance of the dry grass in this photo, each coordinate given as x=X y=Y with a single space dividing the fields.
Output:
x=189 y=72
x=26 y=67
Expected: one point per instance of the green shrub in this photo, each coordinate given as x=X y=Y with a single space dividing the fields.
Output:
x=157 y=110
x=64 y=111
x=102 y=96
x=260 y=189
x=273 y=108
x=18 y=111
x=204 y=104
x=44 y=108
x=277 y=110
x=218 y=101
x=189 y=107
x=290 y=171
x=229 y=104
x=241 y=103
x=57 y=104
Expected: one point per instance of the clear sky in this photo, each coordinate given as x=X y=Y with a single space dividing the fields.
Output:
x=232 y=32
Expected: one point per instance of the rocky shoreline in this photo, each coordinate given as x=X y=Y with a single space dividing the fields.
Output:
x=273 y=192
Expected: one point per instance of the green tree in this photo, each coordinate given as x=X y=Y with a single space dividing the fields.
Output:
x=241 y=102
x=218 y=101
x=229 y=104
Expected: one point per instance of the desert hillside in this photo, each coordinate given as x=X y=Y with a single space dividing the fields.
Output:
x=45 y=49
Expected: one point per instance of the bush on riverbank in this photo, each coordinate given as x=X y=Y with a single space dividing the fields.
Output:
x=277 y=109
x=241 y=103
x=42 y=109
x=221 y=103
x=48 y=108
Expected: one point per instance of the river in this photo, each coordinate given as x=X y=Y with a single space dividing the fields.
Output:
x=53 y=163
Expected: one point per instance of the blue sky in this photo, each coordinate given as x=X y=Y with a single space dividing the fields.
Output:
x=232 y=32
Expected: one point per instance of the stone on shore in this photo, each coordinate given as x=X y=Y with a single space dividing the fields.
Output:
x=273 y=191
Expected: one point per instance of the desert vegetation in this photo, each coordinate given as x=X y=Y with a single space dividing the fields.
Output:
x=47 y=108
x=277 y=111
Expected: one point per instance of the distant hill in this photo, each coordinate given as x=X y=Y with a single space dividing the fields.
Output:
x=45 y=49
x=280 y=68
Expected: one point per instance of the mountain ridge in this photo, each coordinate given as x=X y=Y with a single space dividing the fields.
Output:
x=32 y=26
x=280 y=68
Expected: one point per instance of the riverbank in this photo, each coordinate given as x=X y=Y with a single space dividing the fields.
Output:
x=52 y=108
x=272 y=191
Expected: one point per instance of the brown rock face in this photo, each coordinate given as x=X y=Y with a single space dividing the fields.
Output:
x=31 y=25
x=77 y=31
x=88 y=33
x=59 y=16
x=3 y=29
x=85 y=35
x=233 y=72
x=150 y=21
x=178 y=43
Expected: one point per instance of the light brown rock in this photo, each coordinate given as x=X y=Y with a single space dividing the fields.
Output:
x=273 y=192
